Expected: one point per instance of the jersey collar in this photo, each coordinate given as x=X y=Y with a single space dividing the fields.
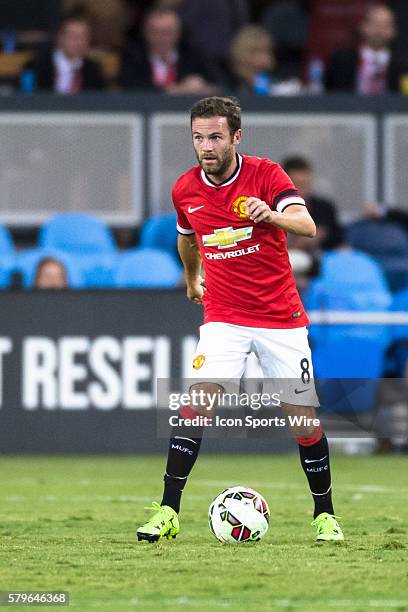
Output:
x=227 y=181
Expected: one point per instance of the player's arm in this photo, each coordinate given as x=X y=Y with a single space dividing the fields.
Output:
x=190 y=256
x=295 y=219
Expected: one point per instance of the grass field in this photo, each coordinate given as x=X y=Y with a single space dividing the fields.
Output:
x=69 y=524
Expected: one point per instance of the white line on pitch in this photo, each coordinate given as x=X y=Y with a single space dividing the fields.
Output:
x=365 y=488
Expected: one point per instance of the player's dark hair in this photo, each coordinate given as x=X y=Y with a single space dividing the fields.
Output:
x=217 y=106
x=296 y=162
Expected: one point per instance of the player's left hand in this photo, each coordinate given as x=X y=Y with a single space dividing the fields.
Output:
x=258 y=211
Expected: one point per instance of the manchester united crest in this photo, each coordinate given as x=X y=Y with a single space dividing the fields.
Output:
x=238 y=207
x=198 y=361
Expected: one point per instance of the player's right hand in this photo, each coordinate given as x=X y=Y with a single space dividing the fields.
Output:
x=196 y=290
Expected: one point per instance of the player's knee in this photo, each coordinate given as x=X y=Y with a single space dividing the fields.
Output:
x=205 y=398
x=311 y=437
x=303 y=423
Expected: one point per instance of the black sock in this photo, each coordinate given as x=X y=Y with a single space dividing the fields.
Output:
x=316 y=465
x=183 y=452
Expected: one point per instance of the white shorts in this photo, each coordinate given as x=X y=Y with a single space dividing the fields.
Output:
x=284 y=356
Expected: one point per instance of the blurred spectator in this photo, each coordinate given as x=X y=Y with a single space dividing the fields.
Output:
x=304 y=267
x=205 y=20
x=372 y=67
x=50 y=274
x=329 y=233
x=334 y=24
x=112 y=20
x=66 y=69
x=253 y=64
x=136 y=10
x=109 y=20
x=374 y=210
x=161 y=62
x=288 y=23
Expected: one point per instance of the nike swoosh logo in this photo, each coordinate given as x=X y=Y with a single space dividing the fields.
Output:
x=191 y=210
x=315 y=460
x=301 y=391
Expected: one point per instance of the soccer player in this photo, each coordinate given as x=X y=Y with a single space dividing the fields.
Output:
x=233 y=215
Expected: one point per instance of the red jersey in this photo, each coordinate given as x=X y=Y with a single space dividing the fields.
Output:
x=248 y=277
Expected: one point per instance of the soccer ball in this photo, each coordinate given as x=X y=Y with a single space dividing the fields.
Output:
x=239 y=514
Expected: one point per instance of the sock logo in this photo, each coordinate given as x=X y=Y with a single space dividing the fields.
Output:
x=315 y=460
x=182 y=449
x=317 y=469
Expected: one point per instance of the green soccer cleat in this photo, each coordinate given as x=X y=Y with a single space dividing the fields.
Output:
x=328 y=528
x=163 y=524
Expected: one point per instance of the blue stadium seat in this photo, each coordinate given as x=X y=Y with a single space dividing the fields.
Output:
x=7 y=257
x=352 y=281
x=348 y=280
x=348 y=370
x=160 y=233
x=88 y=241
x=377 y=237
x=147 y=268
x=400 y=304
x=342 y=358
x=353 y=268
x=77 y=233
x=385 y=241
x=98 y=270
x=27 y=263
x=6 y=241
x=399 y=334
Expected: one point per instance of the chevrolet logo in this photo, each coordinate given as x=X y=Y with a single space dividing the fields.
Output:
x=227 y=237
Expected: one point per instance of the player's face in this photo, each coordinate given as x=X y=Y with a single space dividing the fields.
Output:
x=214 y=145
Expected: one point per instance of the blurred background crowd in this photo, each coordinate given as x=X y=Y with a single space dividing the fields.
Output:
x=265 y=47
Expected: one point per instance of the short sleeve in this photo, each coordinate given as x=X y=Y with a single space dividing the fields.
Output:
x=279 y=188
x=183 y=224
